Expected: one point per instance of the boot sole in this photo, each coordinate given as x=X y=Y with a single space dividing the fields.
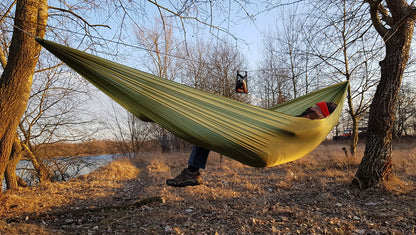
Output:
x=183 y=184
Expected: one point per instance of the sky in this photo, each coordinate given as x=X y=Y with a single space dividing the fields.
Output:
x=249 y=31
x=228 y=15
x=252 y=35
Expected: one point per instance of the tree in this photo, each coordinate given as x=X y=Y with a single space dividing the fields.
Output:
x=19 y=55
x=293 y=52
x=130 y=132
x=12 y=180
x=16 y=80
x=195 y=70
x=273 y=85
x=56 y=113
x=394 y=22
x=222 y=65
x=213 y=67
x=406 y=111
x=347 y=51
x=161 y=49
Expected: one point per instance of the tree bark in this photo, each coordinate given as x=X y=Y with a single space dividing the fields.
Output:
x=16 y=80
x=376 y=164
x=42 y=171
x=16 y=155
x=354 y=137
x=353 y=115
x=164 y=142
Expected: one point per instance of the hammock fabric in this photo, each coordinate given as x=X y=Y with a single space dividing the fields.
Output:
x=249 y=134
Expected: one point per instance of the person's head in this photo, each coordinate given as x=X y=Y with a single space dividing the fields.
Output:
x=320 y=110
x=331 y=106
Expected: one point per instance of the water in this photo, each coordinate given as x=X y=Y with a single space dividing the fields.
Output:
x=64 y=168
x=84 y=165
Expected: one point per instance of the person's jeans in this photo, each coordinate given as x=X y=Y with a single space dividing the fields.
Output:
x=198 y=157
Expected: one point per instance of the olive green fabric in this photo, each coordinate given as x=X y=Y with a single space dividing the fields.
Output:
x=249 y=134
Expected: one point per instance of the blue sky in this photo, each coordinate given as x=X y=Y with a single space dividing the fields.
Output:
x=249 y=31
x=252 y=33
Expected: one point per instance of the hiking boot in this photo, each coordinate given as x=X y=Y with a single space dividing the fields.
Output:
x=186 y=178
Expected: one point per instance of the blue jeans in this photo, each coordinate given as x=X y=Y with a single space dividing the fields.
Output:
x=198 y=157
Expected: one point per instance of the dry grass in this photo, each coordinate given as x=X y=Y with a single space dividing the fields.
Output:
x=103 y=183
x=308 y=196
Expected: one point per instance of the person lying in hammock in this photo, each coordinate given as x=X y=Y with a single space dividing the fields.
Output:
x=198 y=158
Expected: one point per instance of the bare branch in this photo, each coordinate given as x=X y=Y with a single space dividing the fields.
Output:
x=3 y=57
x=79 y=17
x=182 y=17
x=375 y=18
x=7 y=11
x=49 y=68
x=410 y=13
x=385 y=15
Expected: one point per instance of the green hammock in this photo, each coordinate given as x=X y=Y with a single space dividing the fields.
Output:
x=249 y=134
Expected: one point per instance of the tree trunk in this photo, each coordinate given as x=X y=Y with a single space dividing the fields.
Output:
x=16 y=80
x=354 y=136
x=42 y=172
x=164 y=142
x=16 y=155
x=353 y=115
x=376 y=164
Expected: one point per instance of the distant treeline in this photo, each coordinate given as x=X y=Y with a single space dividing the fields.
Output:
x=91 y=147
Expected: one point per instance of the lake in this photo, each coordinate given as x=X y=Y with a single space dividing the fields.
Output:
x=65 y=168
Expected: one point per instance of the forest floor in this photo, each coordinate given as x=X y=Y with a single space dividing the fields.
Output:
x=309 y=196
